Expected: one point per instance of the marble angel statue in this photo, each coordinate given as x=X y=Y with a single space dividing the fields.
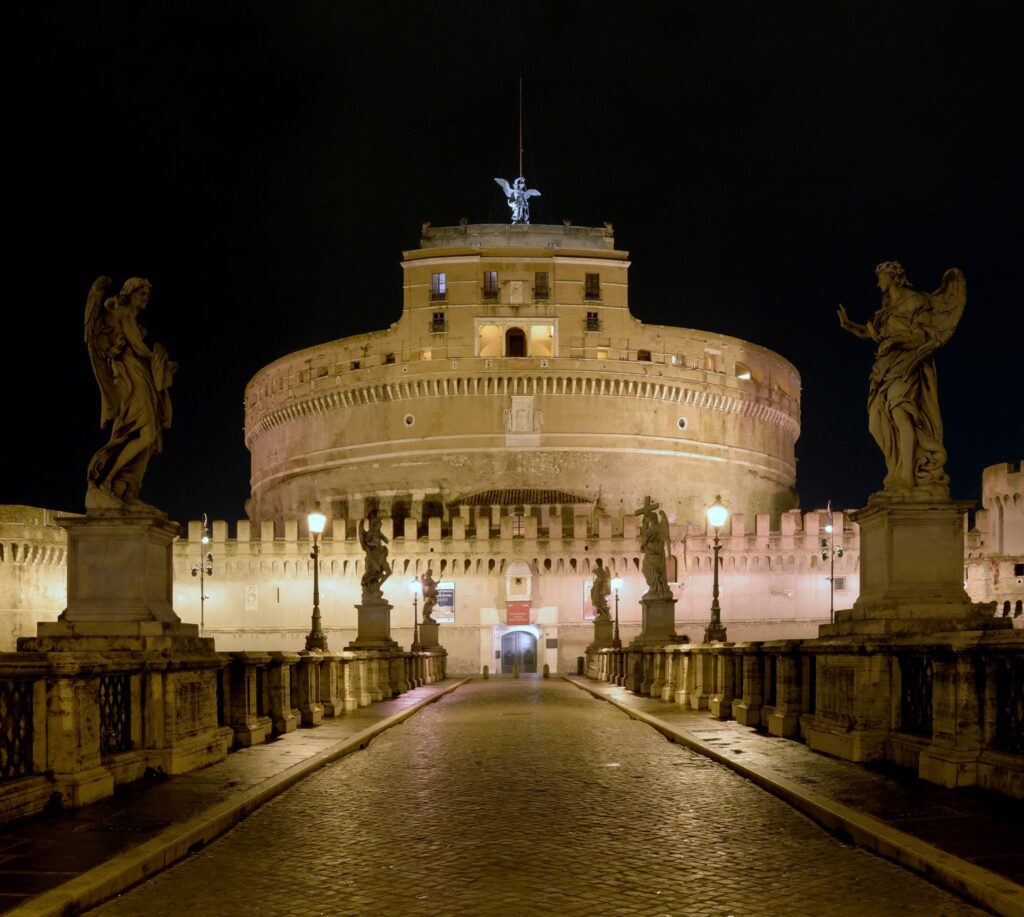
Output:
x=903 y=401
x=376 y=567
x=134 y=380
x=654 y=542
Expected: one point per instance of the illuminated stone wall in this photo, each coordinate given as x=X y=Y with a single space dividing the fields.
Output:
x=601 y=405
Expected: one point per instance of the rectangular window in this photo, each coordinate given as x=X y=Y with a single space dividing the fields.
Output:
x=540 y=285
x=518 y=525
x=437 y=323
x=644 y=356
x=355 y=364
x=425 y=355
x=593 y=321
x=592 y=287
x=490 y=285
x=1018 y=569
x=840 y=583
x=602 y=354
x=389 y=358
x=438 y=286
x=711 y=361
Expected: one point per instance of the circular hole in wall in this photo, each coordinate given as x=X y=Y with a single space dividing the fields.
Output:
x=681 y=423
x=409 y=420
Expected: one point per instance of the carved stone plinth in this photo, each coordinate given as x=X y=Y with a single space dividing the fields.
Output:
x=602 y=635
x=119 y=567
x=659 y=623
x=912 y=572
x=429 y=636
x=374 y=632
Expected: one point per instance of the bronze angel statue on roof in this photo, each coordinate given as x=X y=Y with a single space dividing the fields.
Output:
x=518 y=198
x=134 y=380
x=903 y=400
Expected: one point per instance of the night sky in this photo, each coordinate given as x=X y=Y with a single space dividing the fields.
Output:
x=264 y=165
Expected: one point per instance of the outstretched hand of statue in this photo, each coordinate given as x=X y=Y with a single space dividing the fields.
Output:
x=846 y=324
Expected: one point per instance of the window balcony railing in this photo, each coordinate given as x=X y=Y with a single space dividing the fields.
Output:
x=438 y=296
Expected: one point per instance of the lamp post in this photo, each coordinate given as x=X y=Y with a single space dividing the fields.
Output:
x=203 y=569
x=717 y=514
x=317 y=639
x=415 y=587
x=830 y=552
x=616 y=585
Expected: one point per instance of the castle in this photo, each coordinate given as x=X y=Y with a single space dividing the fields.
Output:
x=506 y=429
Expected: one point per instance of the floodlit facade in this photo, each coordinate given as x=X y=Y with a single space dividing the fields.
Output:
x=506 y=428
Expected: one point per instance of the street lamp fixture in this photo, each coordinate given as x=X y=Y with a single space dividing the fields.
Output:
x=830 y=552
x=317 y=639
x=415 y=587
x=616 y=586
x=714 y=632
x=203 y=569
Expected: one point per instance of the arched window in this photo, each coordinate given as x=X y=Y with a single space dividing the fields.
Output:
x=515 y=342
x=1006 y=608
x=1018 y=609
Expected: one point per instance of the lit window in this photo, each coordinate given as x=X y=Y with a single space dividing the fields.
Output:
x=438 y=286
x=490 y=285
x=518 y=530
x=540 y=285
x=602 y=354
x=490 y=341
x=542 y=340
x=425 y=355
x=592 y=287
x=711 y=361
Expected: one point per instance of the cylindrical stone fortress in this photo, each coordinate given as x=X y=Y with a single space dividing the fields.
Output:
x=516 y=365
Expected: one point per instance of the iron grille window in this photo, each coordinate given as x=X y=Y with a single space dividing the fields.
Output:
x=592 y=287
x=490 y=285
x=540 y=285
x=438 y=286
x=593 y=321
x=1010 y=705
x=438 y=323
x=15 y=729
x=916 y=695
x=115 y=702
x=518 y=525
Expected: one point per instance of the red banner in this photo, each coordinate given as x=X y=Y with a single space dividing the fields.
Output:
x=517 y=612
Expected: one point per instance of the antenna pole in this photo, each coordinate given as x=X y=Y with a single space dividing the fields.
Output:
x=520 y=124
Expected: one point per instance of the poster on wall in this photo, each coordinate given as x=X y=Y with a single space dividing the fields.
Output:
x=588 y=607
x=517 y=612
x=444 y=610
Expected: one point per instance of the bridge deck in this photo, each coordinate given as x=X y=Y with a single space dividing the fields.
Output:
x=512 y=796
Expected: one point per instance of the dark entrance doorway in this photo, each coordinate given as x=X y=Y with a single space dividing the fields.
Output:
x=519 y=646
x=515 y=342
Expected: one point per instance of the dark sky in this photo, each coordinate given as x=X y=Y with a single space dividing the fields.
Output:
x=264 y=164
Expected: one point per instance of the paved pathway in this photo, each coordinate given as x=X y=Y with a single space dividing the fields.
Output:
x=530 y=797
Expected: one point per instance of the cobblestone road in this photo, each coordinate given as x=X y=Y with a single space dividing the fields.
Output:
x=530 y=797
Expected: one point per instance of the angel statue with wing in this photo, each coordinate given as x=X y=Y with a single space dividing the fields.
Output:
x=654 y=543
x=903 y=399
x=518 y=198
x=134 y=399
x=376 y=568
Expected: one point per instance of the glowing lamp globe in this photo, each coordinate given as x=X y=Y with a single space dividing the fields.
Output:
x=717 y=514
x=617 y=583
x=317 y=521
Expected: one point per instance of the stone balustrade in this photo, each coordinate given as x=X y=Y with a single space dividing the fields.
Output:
x=75 y=725
x=956 y=718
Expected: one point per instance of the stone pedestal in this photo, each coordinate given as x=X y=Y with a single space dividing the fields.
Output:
x=429 y=636
x=912 y=611
x=659 y=623
x=911 y=572
x=602 y=634
x=374 y=628
x=119 y=568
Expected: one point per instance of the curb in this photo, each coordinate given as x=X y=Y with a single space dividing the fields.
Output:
x=974 y=883
x=103 y=882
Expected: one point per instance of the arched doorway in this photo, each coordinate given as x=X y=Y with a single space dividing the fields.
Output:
x=515 y=342
x=518 y=646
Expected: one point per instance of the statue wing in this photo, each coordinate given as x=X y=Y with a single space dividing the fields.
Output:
x=948 y=303
x=97 y=343
x=532 y=192
x=504 y=186
x=361 y=530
